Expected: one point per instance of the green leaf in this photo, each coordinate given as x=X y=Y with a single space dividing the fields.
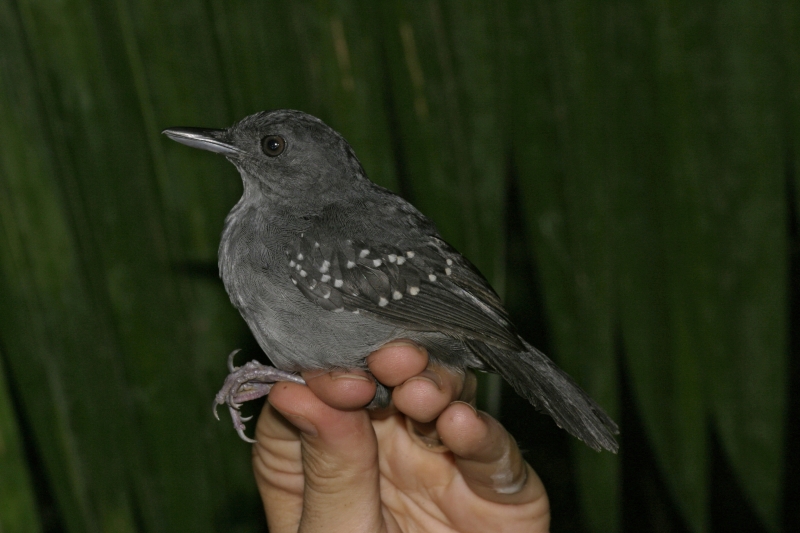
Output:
x=17 y=499
x=187 y=72
x=444 y=67
x=341 y=55
x=788 y=16
x=662 y=242
x=450 y=132
x=747 y=364
x=650 y=140
x=114 y=245
x=560 y=152
x=58 y=348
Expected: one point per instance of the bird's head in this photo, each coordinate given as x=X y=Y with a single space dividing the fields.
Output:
x=285 y=155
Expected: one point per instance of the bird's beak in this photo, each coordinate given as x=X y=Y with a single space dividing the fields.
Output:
x=212 y=140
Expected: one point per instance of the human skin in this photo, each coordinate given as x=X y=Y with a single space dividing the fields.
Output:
x=430 y=462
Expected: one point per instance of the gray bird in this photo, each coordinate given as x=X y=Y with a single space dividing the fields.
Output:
x=326 y=267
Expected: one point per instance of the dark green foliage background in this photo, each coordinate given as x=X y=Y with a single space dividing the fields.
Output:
x=624 y=172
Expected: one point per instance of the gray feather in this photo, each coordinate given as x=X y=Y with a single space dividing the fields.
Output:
x=326 y=267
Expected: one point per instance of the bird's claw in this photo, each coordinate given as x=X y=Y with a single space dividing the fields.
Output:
x=244 y=437
x=245 y=383
x=231 y=367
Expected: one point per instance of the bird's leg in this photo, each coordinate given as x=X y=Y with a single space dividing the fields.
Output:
x=245 y=383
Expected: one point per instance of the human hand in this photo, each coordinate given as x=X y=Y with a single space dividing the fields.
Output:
x=429 y=462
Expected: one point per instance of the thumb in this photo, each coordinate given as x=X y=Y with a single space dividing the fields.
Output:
x=340 y=462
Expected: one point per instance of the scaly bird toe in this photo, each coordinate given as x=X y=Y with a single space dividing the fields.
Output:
x=245 y=383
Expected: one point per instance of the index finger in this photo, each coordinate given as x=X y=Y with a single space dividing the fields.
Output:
x=421 y=390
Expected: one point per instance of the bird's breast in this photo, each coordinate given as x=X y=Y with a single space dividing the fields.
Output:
x=293 y=331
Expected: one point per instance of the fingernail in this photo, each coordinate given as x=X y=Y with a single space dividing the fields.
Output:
x=301 y=423
x=402 y=343
x=504 y=482
x=428 y=375
x=468 y=405
x=344 y=374
x=313 y=374
x=426 y=435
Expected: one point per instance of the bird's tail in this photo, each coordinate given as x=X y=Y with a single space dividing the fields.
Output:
x=550 y=389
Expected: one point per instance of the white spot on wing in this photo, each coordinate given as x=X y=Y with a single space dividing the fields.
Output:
x=413 y=291
x=448 y=271
x=303 y=273
x=397 y=295
x=325 y=265
x=325 y=278
x=401 y=260
x=409 y=254
x=292 y=263
x=338 y=283
x=364 y=253
x=392 y=258
x=299 y=257
x=383 y=301
x=350 y=264
x=376 y=262
x=449 y=262
x=432 y=277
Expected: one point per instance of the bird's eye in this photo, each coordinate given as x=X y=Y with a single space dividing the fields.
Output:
x=273 y=145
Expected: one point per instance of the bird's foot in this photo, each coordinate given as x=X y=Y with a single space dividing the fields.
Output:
x=245 y=383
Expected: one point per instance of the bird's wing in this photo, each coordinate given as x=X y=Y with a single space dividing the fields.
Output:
x=430 y=287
